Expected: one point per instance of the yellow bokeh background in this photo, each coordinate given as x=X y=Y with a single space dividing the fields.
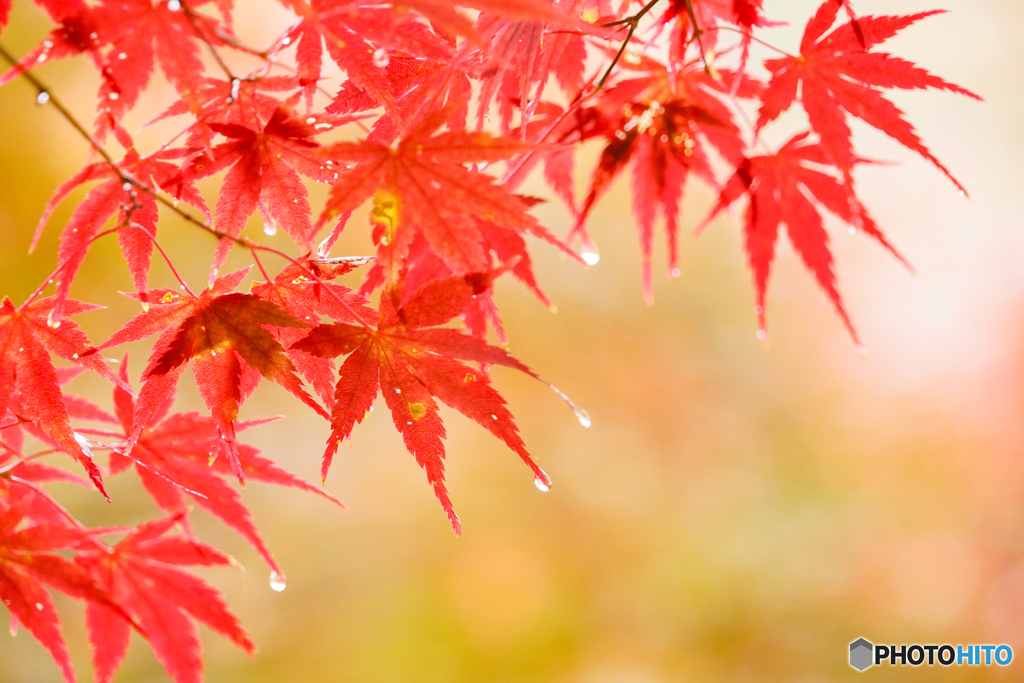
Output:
x=737 y=512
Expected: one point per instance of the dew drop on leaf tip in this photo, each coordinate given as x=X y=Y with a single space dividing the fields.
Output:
x=277 y=583
x=541 y=485
x=589 y=254
x=43 y=97
x=270 y=228
x=583 y=416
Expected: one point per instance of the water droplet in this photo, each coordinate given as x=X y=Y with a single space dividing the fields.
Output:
x=589 y=254
x=43 y=97
x=84 y=443
x=583 y=416
x=398 y=391
x=675 y=272
x=371 y=409
x=52 y=322
x=270 y=227
x=39 y=606
x=235 y=85
x=853 y=230
x=126 y=186
x=113 y=96
x=962 y=193
x=762 y=335
x=173 y=5
x=541 y=485
x=494 y=417
x=380 y=58
x=862 y=351
x=286 y=41
x=758 y=310
x=123 y=56
x=277 y=583
x=620 y=135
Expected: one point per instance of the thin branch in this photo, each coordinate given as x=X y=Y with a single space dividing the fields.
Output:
x=191 y=16
x=632 y=22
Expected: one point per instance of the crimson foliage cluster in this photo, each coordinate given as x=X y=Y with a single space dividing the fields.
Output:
x=436 y=96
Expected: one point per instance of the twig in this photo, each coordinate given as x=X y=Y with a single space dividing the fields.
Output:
x=632 y=22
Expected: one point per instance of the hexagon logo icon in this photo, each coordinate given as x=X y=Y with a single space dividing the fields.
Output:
x=862 y=654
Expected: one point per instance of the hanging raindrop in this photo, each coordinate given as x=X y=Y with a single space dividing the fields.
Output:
x=583 y=416
x=277 y=583
x=541 y=485
x=589 y=254
x=270 y=227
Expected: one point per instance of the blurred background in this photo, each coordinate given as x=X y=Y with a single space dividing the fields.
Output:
x=737 y=512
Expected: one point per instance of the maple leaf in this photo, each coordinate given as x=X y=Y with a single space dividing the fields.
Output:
x=787 y=188
x=223 y=334
x=171 y=457
x=27 y=337
x=74 y=35
x=358 y=36
x=529 y=52
x=28 y=562
x=265 y=161
x=422 y=187
x=138 y=35
x=665 y=127
x=142 y=572
x=137 y=214
x=838 y=75
x=417 y=85
x=307 y=299
x=411 y=361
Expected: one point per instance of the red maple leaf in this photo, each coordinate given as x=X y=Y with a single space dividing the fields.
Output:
x=358 y=36
x=138 y=35
x=421 y=186
x=787 y=188
x=28 y=563
x=418 y=86
x=142 y=573
x=225 y=337
x=411 y=361
x=308 y=299
x=172 y=456
x=666 y=128
x=838 y=75
x=522 y=56
x=266 y=160
x=27 y=337
x=136 y=209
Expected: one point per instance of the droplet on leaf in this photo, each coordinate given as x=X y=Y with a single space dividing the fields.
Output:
x=589 y=254
x=762 y=335
x=277 y=582
x=173 y=5
x=541 y=486
x=380 y=58
x=43 y=97
x=583 y=416
x=270 y=227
